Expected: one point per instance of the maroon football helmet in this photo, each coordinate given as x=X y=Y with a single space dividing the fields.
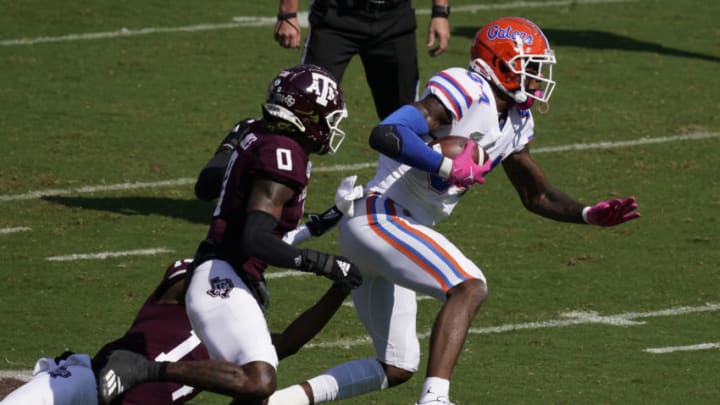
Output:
x=309 y=98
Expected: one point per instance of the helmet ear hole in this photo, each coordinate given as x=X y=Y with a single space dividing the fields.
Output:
x=503 y=67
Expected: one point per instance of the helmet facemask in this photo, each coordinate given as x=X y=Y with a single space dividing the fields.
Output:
x=532 y=67
x=337 y=135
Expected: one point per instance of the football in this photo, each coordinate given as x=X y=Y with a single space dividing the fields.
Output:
x=452 y=145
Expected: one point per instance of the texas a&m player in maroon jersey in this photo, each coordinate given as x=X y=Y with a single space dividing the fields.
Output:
x=162 y=332
x=262 y=198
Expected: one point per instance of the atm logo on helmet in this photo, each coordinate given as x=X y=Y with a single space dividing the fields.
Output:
x=324 y=88
x=496 y=32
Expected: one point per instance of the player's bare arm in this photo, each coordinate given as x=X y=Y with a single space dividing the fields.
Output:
x=439 y=28
x=310 y=322
x=269 y=196
x=536 y=192
x=174 y=293
x=287 y=28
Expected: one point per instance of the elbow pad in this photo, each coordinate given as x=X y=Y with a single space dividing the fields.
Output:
x=387 y=140
x=399 y=137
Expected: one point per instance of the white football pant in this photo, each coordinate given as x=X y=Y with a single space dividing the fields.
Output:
x=397 y=257
x=226 y=317
x=69 y=382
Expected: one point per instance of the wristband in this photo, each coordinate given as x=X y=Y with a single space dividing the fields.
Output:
x=286 y=16
x=445 y=169
x=440 y=11
x=297 y=235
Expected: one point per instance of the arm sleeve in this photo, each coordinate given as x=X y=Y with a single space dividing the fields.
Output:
x=399 y=136
x=209 y=181
x=259 y=241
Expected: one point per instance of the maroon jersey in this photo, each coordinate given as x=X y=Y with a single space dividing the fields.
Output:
x=258 y=155
x=161 y=332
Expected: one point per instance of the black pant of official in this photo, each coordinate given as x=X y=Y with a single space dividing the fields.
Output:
x=383 y=37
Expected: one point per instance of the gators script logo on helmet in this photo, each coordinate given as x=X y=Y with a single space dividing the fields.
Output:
x=309 y=98
x=511 y=50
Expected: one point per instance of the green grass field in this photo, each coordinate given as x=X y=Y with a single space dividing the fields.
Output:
x=102 y=135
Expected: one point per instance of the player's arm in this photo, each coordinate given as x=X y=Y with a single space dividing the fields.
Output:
x=173 y=293
x=439 y=28
x=263 y=213
x=309 y=323
x=536 y=192
x=400 y=135
x=316 y=225
x=264 y=208
x=209 y=181
x=287 y=27
x=540 y=197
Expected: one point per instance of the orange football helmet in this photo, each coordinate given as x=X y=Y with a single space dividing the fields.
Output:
x=511 y=50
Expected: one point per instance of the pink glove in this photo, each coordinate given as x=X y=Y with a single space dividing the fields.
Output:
x=611 y=212
x=465 y=172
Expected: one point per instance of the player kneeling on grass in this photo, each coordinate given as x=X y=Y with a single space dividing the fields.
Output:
x=161 y=332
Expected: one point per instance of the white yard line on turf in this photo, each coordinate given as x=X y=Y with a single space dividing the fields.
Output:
x=349 y=167
x=32 y=195
x=23 y=375
x=257 y=21
x=671 y=349
x=350 y=304
x=107 y=255
x=5 y=231
x=569 y=319
x=575 y=318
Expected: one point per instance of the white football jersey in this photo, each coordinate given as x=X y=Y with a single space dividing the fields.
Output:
x=470 y=99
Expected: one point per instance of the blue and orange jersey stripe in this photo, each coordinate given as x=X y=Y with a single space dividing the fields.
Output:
x=407 y=250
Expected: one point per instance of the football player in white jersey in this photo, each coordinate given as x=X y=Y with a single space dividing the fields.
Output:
x=387 y=232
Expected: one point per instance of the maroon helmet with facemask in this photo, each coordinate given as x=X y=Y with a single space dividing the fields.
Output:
x=309 y=98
